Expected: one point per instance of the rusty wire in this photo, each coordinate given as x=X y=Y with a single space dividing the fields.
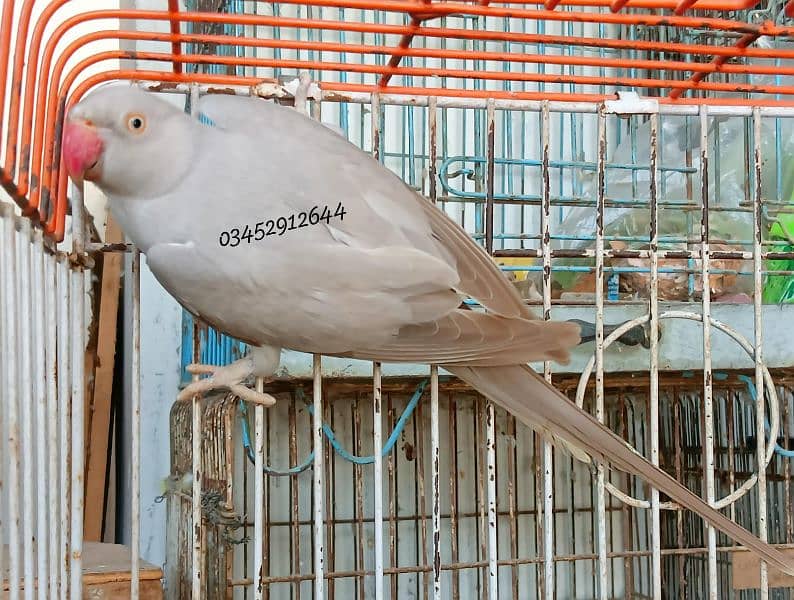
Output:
x=31 y=172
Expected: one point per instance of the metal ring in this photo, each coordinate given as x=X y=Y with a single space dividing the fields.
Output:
x=769 y=384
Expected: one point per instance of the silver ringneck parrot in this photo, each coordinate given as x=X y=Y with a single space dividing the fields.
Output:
x=279 y=232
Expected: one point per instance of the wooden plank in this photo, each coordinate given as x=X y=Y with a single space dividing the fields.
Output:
x=99 y=429
x=106 y=574
x=747 y=571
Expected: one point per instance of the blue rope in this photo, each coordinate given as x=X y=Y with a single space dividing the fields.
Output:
x=751 y=388
x=329 y=433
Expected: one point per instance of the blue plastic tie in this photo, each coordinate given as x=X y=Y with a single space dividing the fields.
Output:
x=329 y=433
x=751 y=388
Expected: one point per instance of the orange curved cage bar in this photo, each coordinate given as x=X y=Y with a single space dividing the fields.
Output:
x=563 y=50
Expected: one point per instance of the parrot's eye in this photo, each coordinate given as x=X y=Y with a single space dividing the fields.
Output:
x=136 y=123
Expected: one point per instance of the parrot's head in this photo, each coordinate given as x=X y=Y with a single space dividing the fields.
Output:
x=121 y=138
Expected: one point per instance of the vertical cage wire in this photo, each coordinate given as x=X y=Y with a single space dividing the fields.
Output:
x=599 y=350
x=24 y=248
x=135 y=410
x=318 y=472
x=77 y=280
x=197 y=555
x=4 y=396
x=653 y=309
x=53 y=410
x=758 y=330
x=708 y=416
x=259 y=496
x=64 y=368
x=43 y=332
x=648 y=576
x=548 y=454
x=10 y=410
x=486 y=218
x=39 y=285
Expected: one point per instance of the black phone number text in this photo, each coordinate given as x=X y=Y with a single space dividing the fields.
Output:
x=237 y=235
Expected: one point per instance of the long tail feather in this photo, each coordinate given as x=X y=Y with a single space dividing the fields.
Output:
x=526 y=395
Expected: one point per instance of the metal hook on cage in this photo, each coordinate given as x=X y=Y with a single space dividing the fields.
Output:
x=302 y=92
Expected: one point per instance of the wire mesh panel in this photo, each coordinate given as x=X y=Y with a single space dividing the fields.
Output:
x=43 y=300
x=666 y=211
x=614 y=551
x=463 y=513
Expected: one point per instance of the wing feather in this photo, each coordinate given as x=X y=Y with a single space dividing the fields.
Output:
x=471 y=338
x=424 y=226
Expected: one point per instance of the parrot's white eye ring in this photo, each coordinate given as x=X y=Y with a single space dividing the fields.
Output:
x=136 y=123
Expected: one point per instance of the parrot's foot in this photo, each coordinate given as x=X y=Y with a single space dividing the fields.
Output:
x=231 y=377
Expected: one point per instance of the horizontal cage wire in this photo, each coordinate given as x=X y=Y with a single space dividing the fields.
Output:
x=624 y=161
x=584 y=52
x=464 y=517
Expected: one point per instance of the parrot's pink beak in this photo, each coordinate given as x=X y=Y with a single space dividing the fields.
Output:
x=82 y=149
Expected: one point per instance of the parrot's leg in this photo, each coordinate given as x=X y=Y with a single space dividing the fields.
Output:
x=260 y=362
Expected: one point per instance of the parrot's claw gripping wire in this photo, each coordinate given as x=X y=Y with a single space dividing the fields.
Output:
x=229 y=377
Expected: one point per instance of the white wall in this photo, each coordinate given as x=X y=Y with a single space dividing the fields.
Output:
x=161 y=323
x=160 y=371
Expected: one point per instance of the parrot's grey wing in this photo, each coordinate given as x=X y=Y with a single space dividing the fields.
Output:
x=466 y=337
x=363 y=178
x=480 y=276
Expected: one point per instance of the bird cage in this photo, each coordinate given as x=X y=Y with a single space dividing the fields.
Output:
x=627 y=164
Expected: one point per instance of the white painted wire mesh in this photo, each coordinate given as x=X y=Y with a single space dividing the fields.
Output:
x=468 y=504
x=519 y=550
x=492 y=516
x=43 y=333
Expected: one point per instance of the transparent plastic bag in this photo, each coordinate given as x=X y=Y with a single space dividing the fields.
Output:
x=730 y=186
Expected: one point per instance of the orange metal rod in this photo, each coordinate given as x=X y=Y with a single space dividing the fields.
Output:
x=7 y=183
x=458 y=8
x=683 y=6
x=404 y=42
x=33 y=76
x=207 y=17
x=56 y=222
x=447 y=72
x=176 y=48
x=16 y=86
x=5 y=50
x=707 y=5
x=718 y=61
x=292 y=44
